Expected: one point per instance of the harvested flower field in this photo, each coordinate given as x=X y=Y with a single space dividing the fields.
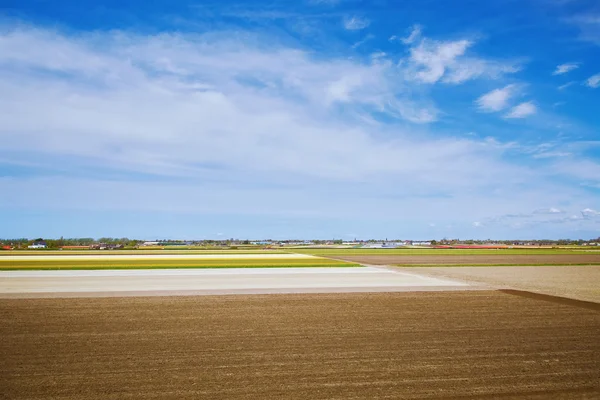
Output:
x=344 y=346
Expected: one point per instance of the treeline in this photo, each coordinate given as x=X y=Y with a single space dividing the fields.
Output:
x=58 y=243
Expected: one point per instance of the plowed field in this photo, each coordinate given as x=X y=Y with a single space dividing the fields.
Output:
x=475 y=259
x=343 y=346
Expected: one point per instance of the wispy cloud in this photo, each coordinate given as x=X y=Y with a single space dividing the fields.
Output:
x=522 y=110
x=496 y=100
x=356 y=23
x=189 y=97
x=566 y=85
x=589 y=26
x=539 y=217
x=548 y=211
x=433 y=60
x=590 y=213
x=552 y=154
x=593 y=81
x=565 y=68
x=324 y=2
x=413 y=36
x=363 y=41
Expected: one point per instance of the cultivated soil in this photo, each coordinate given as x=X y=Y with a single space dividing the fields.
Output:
x=329 y=346
x=474 y=259
x=580 y=282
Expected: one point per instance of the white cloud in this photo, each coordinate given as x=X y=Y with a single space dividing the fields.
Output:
x=589 y=27
x=414 y=35
x=431 y=61
x=522 y=110
x=325 y=2
x=552 y=154
x=593 y=81
x=496 y=100
x=566 y=85
x=590 y=213
x=233 y=117
x=363 y=41
x=189 y=97
x=541 y=217
x=548 y=211
x=356 y=23
x=564 y=68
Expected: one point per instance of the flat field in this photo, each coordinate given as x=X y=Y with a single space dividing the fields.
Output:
x=132 y=252
x=429 y=251
x=580 y=282
x=442 y=345
x=171 y=260
x=193 y=281
x=435 y=259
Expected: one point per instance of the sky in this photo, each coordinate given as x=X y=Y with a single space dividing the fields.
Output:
x=300 y=119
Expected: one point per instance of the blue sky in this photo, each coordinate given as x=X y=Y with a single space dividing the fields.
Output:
x=315 y=119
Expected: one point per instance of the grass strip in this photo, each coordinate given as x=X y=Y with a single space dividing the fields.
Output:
x=132 y=252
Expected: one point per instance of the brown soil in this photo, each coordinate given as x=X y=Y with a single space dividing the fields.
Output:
x=580 y=282
x=342 y=346
x=524 y=259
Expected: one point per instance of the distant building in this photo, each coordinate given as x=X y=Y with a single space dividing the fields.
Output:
x=40 y=244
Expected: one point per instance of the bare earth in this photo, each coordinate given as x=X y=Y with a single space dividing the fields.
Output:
x=188 y=281
x=305 y=346
x=477 y=259
x=574 y=281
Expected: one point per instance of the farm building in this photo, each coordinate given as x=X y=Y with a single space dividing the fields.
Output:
x=421 y=243
x=39 y=244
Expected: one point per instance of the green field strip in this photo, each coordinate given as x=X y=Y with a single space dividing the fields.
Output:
x=202 y=261
x=132 y=252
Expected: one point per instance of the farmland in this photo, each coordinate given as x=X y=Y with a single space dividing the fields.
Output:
x=171 y=260
x=220 y=325
x=296 y=257
x=474 y=259
x=458 y=257
x=483 y=344
x=136 y=252
x=434 y=251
